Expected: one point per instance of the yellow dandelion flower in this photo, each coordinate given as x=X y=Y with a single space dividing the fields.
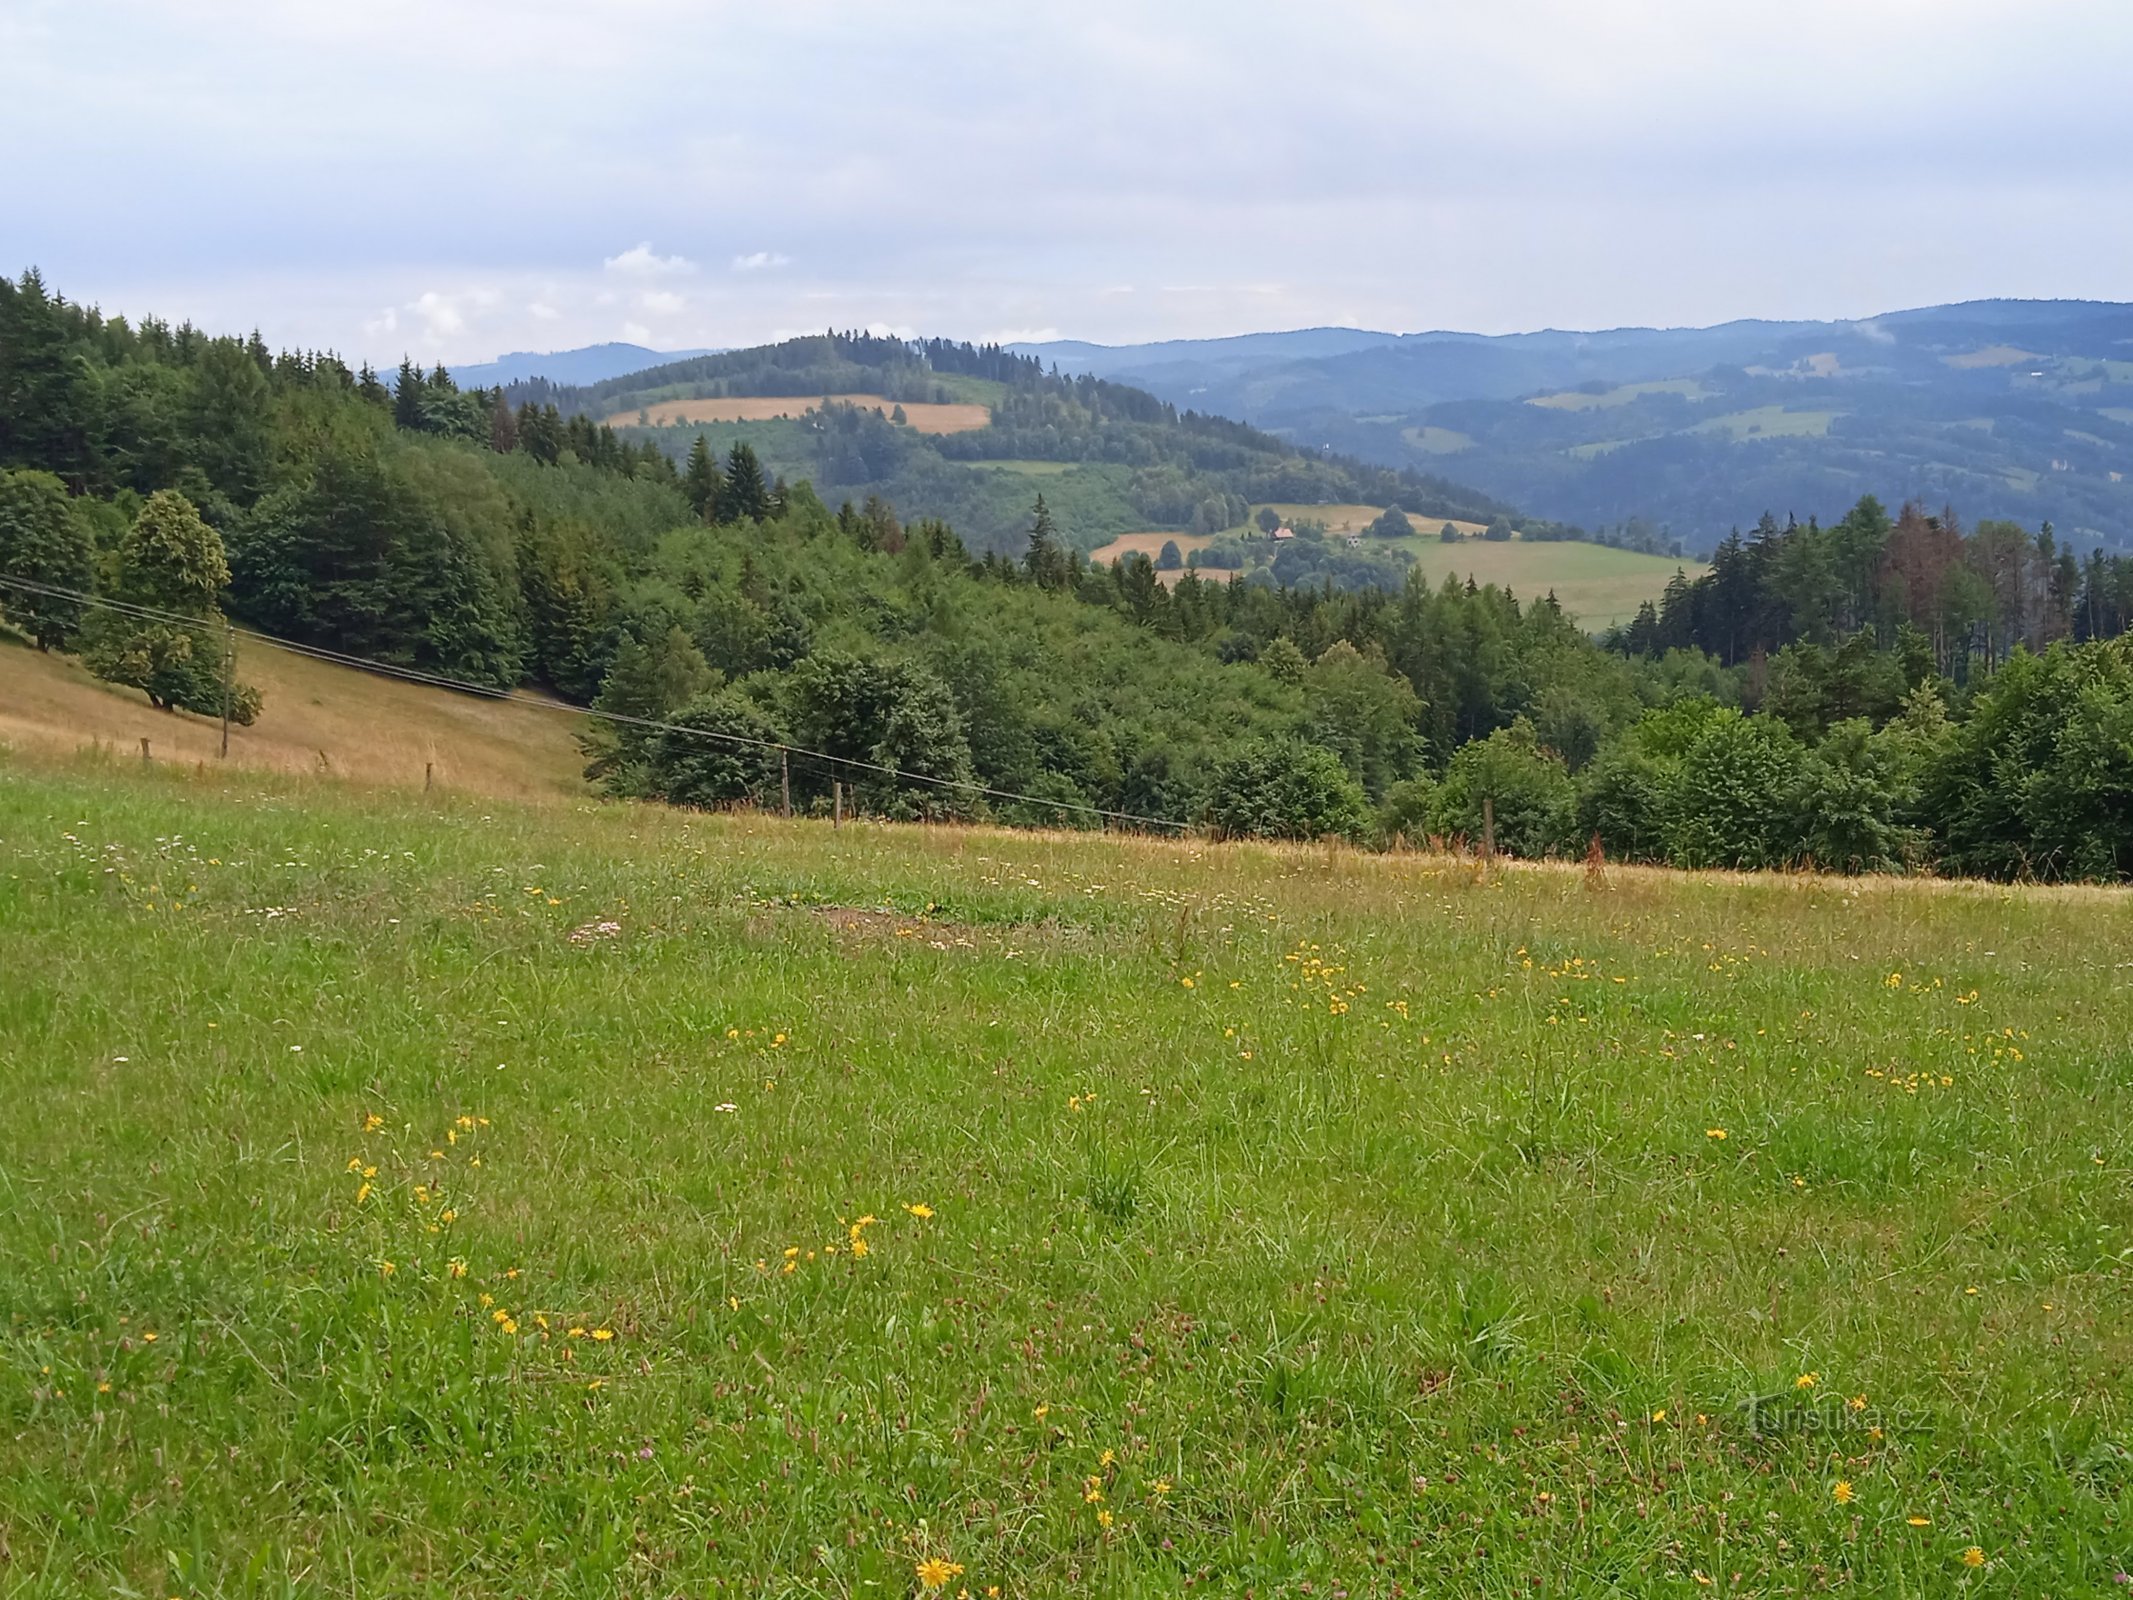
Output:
x=922 y=1211
x=1807 y=1380
x=1107 y=1458
x=1841 y=1491
x=603 y=1334
x=1973 y=1557
x=362 y=1194
x=1659 y=1415
x=934 y=1573
x=385 y=1270
x=1919 y=1522
x=1714 y=1133
x=1160 y=1488
x=373 y=1122
x=1103 y=1517
x=1041 y=1412
x=1856 y=1403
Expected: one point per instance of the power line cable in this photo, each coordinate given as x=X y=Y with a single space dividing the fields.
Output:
x=417 y=675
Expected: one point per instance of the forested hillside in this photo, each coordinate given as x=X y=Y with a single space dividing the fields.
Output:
x=1883 y=692
x=1110 y=459
x=2013 y=409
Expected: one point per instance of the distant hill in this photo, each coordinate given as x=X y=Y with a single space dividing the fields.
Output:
x=983 y=431
x=2002 y=408
x=590 y=363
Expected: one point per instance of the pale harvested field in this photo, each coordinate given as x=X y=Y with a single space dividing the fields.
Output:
x=317 y=719
x=956 y=417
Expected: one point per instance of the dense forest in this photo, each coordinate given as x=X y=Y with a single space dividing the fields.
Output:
x=1886 y=692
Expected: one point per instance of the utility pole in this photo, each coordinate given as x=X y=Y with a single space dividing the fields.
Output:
x=837 y=800
x=785 y=781
x=229 y=665
x=1488 y=828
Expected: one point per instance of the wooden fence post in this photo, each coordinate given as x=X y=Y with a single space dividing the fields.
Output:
x=836 y=799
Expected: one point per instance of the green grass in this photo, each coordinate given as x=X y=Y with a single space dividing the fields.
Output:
x=1621 y=395
x=1598 y=585
x=1376 y=1208
x=1437 y=441
x=1769 y=422
x=1032 y=469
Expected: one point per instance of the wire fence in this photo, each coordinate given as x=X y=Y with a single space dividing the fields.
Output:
x=827 y=762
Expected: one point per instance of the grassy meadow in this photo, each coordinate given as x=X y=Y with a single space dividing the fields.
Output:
x=434 y=1195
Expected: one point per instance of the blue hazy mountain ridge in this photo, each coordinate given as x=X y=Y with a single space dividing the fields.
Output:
x=2001 y=408
x=592 y=363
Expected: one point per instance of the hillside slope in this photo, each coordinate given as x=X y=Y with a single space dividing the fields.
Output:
x=2006 y=409
x=317 y=718
x=870 y=416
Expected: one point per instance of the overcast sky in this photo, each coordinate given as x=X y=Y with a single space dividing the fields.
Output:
x=454 y=180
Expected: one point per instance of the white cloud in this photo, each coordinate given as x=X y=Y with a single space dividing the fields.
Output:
x=662 y=301
x=641 y=261
x=636 y=333
x=885 y=330
x=386 y=321
x=440 y=315
x=542 y=311
x=760 y=261
x=1023 y=336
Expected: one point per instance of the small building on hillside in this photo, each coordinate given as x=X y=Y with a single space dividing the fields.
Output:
x=1283 y=532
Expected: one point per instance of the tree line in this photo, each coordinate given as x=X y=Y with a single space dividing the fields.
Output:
x=1878 y=696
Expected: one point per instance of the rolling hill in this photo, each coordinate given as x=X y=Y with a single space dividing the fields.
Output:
x=2004 y=409
x=972 y=434
x=587 y=364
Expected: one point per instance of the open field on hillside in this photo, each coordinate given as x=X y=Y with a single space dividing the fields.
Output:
x=1769 y=422
x=1346 y=519
x=1620 y=395
x=1151 y=546
x=316 y=718
x=415 y=1195
x=924 y=416
x=1597 y=584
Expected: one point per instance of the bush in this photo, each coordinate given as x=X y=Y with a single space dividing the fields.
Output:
x=1737 y=796
x=1535 y=802
x=1286 y=790
x=720 y=759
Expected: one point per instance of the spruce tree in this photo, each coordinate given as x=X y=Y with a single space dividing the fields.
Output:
x=407 y=397
x=42 y=541
x=700 y=481
x=747 y=494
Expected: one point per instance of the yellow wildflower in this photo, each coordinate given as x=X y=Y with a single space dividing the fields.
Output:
x=934 y=1573
x=1841 y=1492
x=922 y=1211
x=1973 y=1557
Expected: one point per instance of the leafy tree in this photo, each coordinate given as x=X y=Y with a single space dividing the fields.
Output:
x=1362 y=711
x=1737 y=796
x=1283 y=661
x=170 y=565
x=1268 y=519
x=1392 y=523
x=1529 y=788
x=1285 y=790
x=1448 y=534
x=42 y=541
x=720 y=753
x=1170 y=559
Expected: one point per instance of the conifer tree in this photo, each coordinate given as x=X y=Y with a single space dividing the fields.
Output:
x=700 y=481
x=747 y=494
x=42 y=541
